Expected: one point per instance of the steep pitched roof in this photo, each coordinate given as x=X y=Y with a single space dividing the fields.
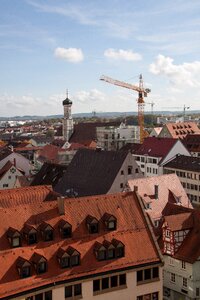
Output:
x=132 y=231
x=170 y=189
x=49 y=153
x=181 y=129
x=26 y=195
x=183 y=162
x=49 y=174
x=192 y=142
x=156 y=147
x=91 y=172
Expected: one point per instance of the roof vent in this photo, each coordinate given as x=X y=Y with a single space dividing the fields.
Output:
x=135 y=188
x=156 y=191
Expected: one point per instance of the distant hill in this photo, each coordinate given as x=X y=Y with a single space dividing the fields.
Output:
x=97 y=114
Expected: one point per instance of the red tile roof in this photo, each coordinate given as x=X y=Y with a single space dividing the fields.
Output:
x=170 y=189
x=181 y=129
x=179 y=221
x=25 y=195
x=156 y=147
x=132 y=231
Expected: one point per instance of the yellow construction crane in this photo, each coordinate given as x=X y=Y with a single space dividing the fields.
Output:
x=142 y=92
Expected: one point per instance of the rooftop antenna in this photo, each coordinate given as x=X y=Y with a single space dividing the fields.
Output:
x=67 y=93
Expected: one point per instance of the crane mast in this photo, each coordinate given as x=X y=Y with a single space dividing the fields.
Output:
x=142 y=92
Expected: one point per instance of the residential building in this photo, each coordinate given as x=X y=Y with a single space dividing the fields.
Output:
x=179 y=130
x=179 y=242
x=114 y=138
x=187 y=168
x=19 y=160
x=157 y=192
x=154 y=152
x=98 y=172
x=81 y=248
x=8 y=175
x=40 y=140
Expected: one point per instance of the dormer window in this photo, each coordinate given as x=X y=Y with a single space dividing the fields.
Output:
x=92 y=224
x=30 y=234
x=110 y=253
x=109 y=250
x=110 y=221
x=40 y=263
x=14 y=237
x=100 y=251
x=65 y=229
x=119 y=248
x=47 y=232
x=23 y=267
x=68 y=258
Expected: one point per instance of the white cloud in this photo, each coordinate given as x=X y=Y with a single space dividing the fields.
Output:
x=127 y=55
x=72 y=55
x=183 y=74
x=92 y=96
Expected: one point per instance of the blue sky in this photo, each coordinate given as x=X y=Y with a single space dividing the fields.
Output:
x=48 y=46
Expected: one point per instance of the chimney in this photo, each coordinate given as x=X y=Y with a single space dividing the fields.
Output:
x=135 y=188
x=14 y=162
x=61 y=206
x=156 y=186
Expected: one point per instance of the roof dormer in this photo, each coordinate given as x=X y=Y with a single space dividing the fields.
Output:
x=100 y=251
x=39 y=262
x=68 y=258
x=30 y=234
x=65 y=229
x=46 y=231
x=110 y=221
x=23 y=267
x=14 y=237
x=92 y=224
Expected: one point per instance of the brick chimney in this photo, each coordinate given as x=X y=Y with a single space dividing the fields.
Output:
x=61 y=205
x=156 y=190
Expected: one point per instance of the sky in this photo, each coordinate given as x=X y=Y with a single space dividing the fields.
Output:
x=50 y=46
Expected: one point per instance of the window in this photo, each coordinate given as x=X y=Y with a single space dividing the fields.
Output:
x=111 y=282
x=173 y=277
x=25 y=272
x=39 y=296
x=105 y=283
x=14 y=237
x=96 y=285
x=147 y=275
x=16 y=241
x=5 y=185
x=92 y=224
x=48 y=235
x=184 y=282
x=136 y=170
x=48 y=295
x=111 y=253
x=111 y=225
x=122 y=172
x=42 y=266
x=102 y=254
x=130 y=170
x=75 y=260
x=167 y=233
x=197 y=292
x=32 y=238
x=153 y=296
x=64 y=262
x=66 y=232
x=121 y=185
x=183 y=265
x=72 y=291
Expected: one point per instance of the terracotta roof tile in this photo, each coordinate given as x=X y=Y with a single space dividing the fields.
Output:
x=170 y=189
x=132 y=231
x=181 y=129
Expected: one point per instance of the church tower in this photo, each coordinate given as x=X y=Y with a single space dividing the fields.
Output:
x=68 y=126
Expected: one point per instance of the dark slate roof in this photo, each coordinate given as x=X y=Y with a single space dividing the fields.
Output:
x=49 y=174
x=192 y=142
x=4 y=152
x=91 y=172
x=183 y=162
x=132 y=147
x=42 y=138
x=156 y=147
x=87 y=131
